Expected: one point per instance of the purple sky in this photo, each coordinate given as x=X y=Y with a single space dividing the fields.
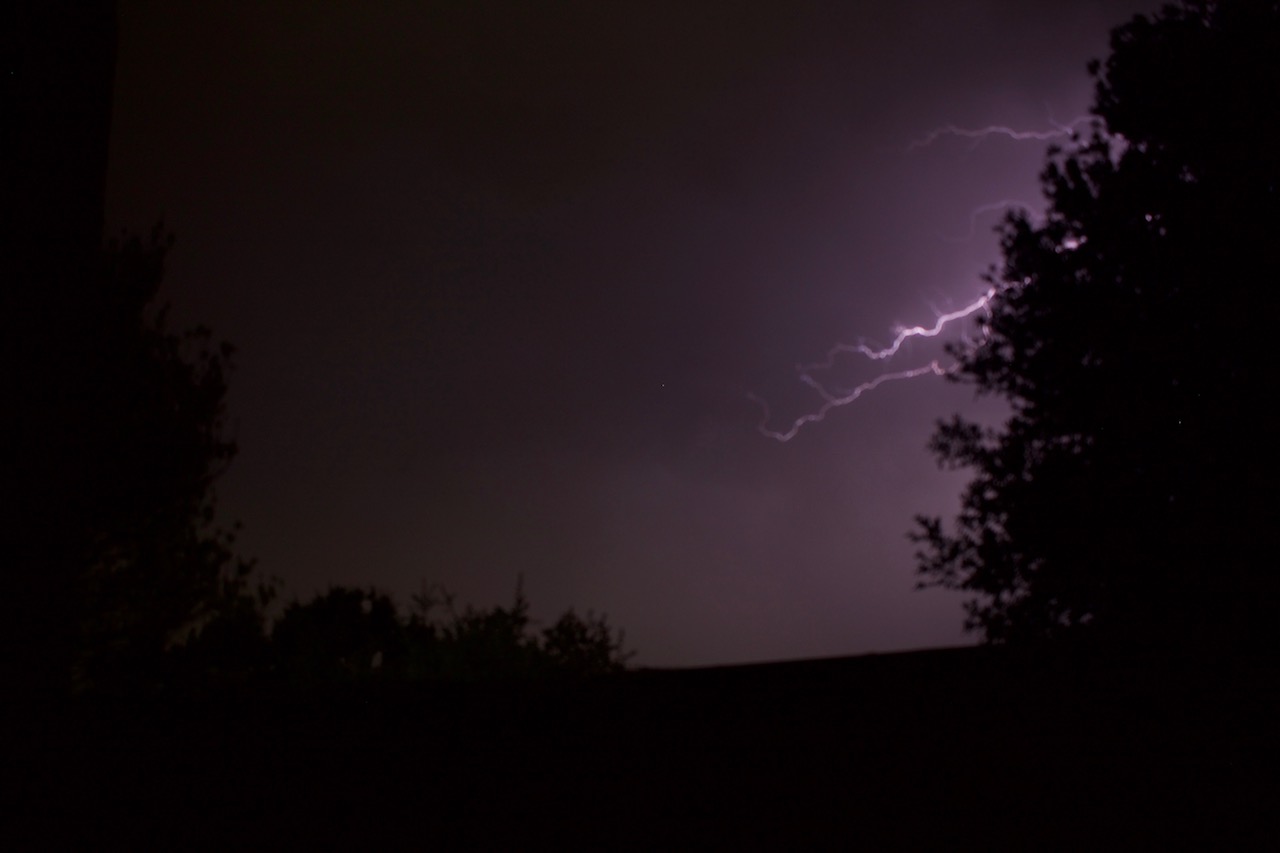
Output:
x=500 y=282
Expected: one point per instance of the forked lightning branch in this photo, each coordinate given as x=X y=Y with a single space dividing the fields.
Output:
x=833 y=399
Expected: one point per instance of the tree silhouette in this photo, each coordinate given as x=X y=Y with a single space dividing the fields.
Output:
x=480 y=643
x=1130 y=334
x=583 y=645
x=500 y=643
x=348 y=635
x=342 y=635
x=122 y=437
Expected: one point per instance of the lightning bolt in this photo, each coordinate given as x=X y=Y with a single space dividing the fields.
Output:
x=981 y=210
x=832 y=401
x=835 y=399
x=978 y=135
x=901 y=334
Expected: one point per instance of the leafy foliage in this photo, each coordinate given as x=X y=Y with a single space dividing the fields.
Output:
x=1130 y=334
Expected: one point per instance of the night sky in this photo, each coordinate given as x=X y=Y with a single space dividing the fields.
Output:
x=501 y=277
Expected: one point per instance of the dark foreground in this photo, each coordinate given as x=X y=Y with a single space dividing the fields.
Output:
x=956 y=749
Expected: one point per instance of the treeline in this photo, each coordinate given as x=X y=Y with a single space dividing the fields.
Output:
x=351 y=635
x=124 y=579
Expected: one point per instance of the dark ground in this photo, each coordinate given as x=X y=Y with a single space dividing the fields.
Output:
x=950 y=749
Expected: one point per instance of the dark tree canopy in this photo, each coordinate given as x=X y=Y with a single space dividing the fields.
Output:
x=121 y=438
x=1129 y=490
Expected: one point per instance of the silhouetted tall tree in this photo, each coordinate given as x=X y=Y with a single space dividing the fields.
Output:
x=120 y=438
x=1131 y=487
x=112 y=424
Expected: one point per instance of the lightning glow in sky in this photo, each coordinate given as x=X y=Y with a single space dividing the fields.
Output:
x=835 y=399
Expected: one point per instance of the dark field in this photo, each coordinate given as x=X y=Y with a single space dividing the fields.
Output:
x=950 y=749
